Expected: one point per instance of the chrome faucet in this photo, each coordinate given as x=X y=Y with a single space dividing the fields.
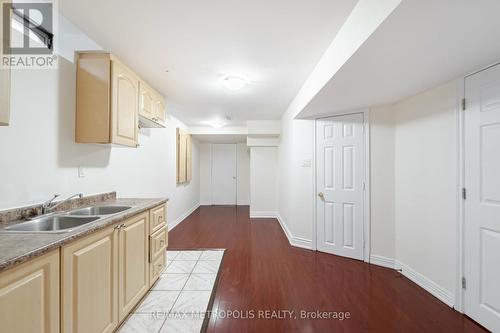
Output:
x=48 y=206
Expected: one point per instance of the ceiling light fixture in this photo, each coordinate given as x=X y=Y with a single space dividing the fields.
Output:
x=234 y=83
x=218 y=124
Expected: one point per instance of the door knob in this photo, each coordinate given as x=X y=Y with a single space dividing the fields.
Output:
x=321 y=195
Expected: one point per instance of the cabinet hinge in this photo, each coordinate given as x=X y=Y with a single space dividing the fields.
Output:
x=464 y=283
x=464 y=193
x=463 y=104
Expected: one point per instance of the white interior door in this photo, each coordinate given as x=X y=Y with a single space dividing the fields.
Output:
x=224 y=174
x=482 y=204
x=339 y=182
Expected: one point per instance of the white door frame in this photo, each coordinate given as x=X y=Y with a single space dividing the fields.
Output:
x=366 y=167
x=459 y=292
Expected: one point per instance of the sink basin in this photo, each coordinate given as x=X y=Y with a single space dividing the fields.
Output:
x=99 y=210
x=51 y=224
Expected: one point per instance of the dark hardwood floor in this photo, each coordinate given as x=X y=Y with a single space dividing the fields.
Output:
x=261 y=271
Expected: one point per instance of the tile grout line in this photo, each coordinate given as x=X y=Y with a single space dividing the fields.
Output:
x=166 y=317
x=190 y=274
x=182 y=289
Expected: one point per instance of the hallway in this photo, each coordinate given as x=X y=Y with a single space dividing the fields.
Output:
x=261 y=271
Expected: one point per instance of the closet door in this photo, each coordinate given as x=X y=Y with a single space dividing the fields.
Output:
x=224 y=174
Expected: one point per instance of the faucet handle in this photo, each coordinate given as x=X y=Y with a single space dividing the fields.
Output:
x=48 y=202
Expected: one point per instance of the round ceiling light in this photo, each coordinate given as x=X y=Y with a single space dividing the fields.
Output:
x=234 y=83
x=218 y=124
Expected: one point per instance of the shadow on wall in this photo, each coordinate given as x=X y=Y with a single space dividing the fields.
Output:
x=70 y=153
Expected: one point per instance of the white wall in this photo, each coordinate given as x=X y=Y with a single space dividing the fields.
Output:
x=40 y=157
x=242 y=174
x=263 y=181
x=296 y=182
x=382 y=161
x=413 y=185
x=426 y=186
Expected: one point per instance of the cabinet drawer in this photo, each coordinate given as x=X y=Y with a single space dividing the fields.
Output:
x=157 y=218
x=158 y=243
x=156 y=268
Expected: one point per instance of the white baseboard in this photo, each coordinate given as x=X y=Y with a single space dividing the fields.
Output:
x=444 y=295
x=382 y=261
x=263 y=215
x=294 y=241
x=181 y=218
x=205 y=203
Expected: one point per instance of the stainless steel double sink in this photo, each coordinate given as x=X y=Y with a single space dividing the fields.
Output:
x=65 y=222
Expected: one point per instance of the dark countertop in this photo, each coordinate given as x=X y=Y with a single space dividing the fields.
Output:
x=17 y=248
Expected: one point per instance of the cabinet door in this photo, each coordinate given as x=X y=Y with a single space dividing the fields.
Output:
x=158 y=243
x=134 y=263
x=189 y=172
x=157 y=218
x=181 y=156
x=157 y=267
x=124 y=109
x=159 y=110
x=4 y=85
x=147 y=101
x=29 y=296
x=89 y=286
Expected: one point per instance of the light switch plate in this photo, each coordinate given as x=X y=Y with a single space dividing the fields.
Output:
x=81 y=172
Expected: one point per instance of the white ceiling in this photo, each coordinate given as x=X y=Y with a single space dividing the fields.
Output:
x=423 y=43
x=274 y=44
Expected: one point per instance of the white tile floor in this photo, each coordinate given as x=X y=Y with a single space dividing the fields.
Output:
x=177 y=302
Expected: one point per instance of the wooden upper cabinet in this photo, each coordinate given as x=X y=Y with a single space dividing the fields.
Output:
x=4 y=86
x=125 y=87
x=107 y=100
x=189 y=167
x=159 y=110
x=152 y=107
x=4 y=97
x=146 y=101
x=184 y=158
x=181 y=156
x=29 y=296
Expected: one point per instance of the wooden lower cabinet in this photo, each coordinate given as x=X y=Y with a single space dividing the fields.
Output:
x=89 y=283
x=104 y=276
x=156 y=268
x=158 y=242
x=29 y=296
x=157 y=218
x=133 y=263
